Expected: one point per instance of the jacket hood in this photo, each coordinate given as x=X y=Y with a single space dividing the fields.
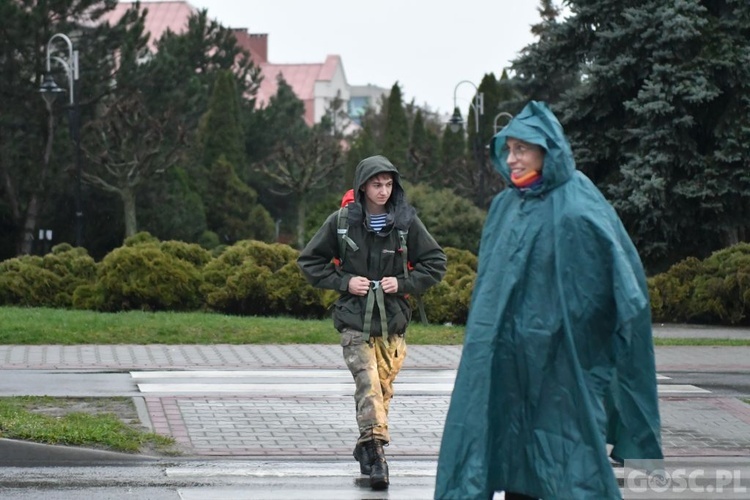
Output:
x=374 y=165
x=400 y=213
x=536 y=124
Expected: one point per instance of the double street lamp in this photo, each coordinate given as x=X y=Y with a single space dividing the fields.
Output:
x=456 y=123
x=50 y=91
x=505 y=114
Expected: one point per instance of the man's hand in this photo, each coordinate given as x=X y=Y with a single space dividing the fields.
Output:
x=359 y=285
x=389 y=284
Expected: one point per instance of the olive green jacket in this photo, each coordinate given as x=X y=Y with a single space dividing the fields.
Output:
x=379 y=255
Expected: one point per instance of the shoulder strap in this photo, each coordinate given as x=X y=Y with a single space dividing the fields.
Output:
x=402 y=236
x=342 y=229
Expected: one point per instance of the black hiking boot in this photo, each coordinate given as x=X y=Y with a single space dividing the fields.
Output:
x=363 y=456
x=379 y=467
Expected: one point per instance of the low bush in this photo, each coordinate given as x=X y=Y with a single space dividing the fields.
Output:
x=48 y=281
x=713 y=291
x=142 y=275
x=449 y=300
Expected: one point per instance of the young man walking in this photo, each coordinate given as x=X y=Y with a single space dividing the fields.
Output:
x=372 y=239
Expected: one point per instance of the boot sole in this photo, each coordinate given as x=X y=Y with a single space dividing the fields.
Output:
x=379 y=484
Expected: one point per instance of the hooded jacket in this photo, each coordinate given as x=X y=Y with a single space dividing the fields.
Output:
x=558 y=356
x=379 y=255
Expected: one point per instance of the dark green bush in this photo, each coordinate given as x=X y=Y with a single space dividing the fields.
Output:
x=713 y=291
x=24 y=282
x=190 y=252
x=143 y=276
x=139 y=239
x=671 y=291
x=48 y=281
x=449 y=300
x=237 y=281
x=722 y=292
x=452 y=220
x=244 y=291
x=291 y=295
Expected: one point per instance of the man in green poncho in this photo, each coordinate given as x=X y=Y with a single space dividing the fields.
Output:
x=558 y=358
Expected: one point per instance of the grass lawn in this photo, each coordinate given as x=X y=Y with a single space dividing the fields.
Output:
x=40 y=326
x=104 y=423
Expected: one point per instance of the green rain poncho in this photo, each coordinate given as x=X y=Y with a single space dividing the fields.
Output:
x=558 y=356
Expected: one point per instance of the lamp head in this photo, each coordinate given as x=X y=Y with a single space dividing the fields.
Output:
x=456 y=123
x=49 y=89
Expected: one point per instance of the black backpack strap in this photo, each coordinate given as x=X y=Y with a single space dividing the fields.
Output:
x=342 y=232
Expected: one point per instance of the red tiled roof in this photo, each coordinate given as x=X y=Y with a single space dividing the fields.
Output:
x=162 y=16
x=328 y=70
x=174 y=15
x=300 y=77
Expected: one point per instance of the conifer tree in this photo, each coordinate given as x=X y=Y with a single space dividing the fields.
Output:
x=396 y=140
x=221 y=137
x=424 y=152
x=220 y=129
x=232 y=212
x=659 y=115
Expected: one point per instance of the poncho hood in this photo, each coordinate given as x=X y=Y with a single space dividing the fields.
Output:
x=536 y=124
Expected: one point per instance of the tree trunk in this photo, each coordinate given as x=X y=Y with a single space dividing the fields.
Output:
x=301 y=214
x=128 y=207
x=32 y=212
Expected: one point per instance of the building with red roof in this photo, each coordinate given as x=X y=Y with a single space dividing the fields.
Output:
x=315 y=84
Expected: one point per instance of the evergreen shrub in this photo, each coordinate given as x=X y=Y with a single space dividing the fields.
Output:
x=190 y=252
x=237 y=281
x=291 y=295
x=142 y=275
x=449 y=300
x=713 y=291
x=48 y=281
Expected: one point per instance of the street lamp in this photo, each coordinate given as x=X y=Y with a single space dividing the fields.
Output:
x=456 y=124
x=50 y=91
x=477 y=104
x=494 y=122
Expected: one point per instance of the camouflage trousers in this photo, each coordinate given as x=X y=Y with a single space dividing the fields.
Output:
x=374 y=366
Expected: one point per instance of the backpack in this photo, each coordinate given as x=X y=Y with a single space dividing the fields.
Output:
x=342 y=231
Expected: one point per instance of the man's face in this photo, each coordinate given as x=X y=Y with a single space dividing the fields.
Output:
x=378 y=190
x=523 y=157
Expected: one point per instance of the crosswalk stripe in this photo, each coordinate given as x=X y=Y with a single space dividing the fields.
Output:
x=299 y=373
x=314 y=381
x=313 y=388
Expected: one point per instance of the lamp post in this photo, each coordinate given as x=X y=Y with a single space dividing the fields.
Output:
x=456 y=124
x=49 y=91
x=505 y=114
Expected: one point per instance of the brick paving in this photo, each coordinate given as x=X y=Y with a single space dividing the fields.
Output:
x=271 y=426
x=274 y=425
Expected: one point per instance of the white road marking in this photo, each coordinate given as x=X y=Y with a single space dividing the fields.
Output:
x=313 y=381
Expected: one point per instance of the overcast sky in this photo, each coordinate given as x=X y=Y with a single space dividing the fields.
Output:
x=427 y=46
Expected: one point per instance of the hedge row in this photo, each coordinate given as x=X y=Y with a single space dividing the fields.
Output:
x=256 y=278
x=713 y=291
x=247 y=278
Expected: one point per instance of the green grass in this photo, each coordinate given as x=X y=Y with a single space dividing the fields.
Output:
x=43 y=326
x=39 y=326
x=701 y=342
x=88 y=422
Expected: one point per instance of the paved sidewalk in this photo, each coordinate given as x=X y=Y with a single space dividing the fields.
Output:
x=278 y=425
x=224 y=356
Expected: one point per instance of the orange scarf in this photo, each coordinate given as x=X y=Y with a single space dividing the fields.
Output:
x=525 y=180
